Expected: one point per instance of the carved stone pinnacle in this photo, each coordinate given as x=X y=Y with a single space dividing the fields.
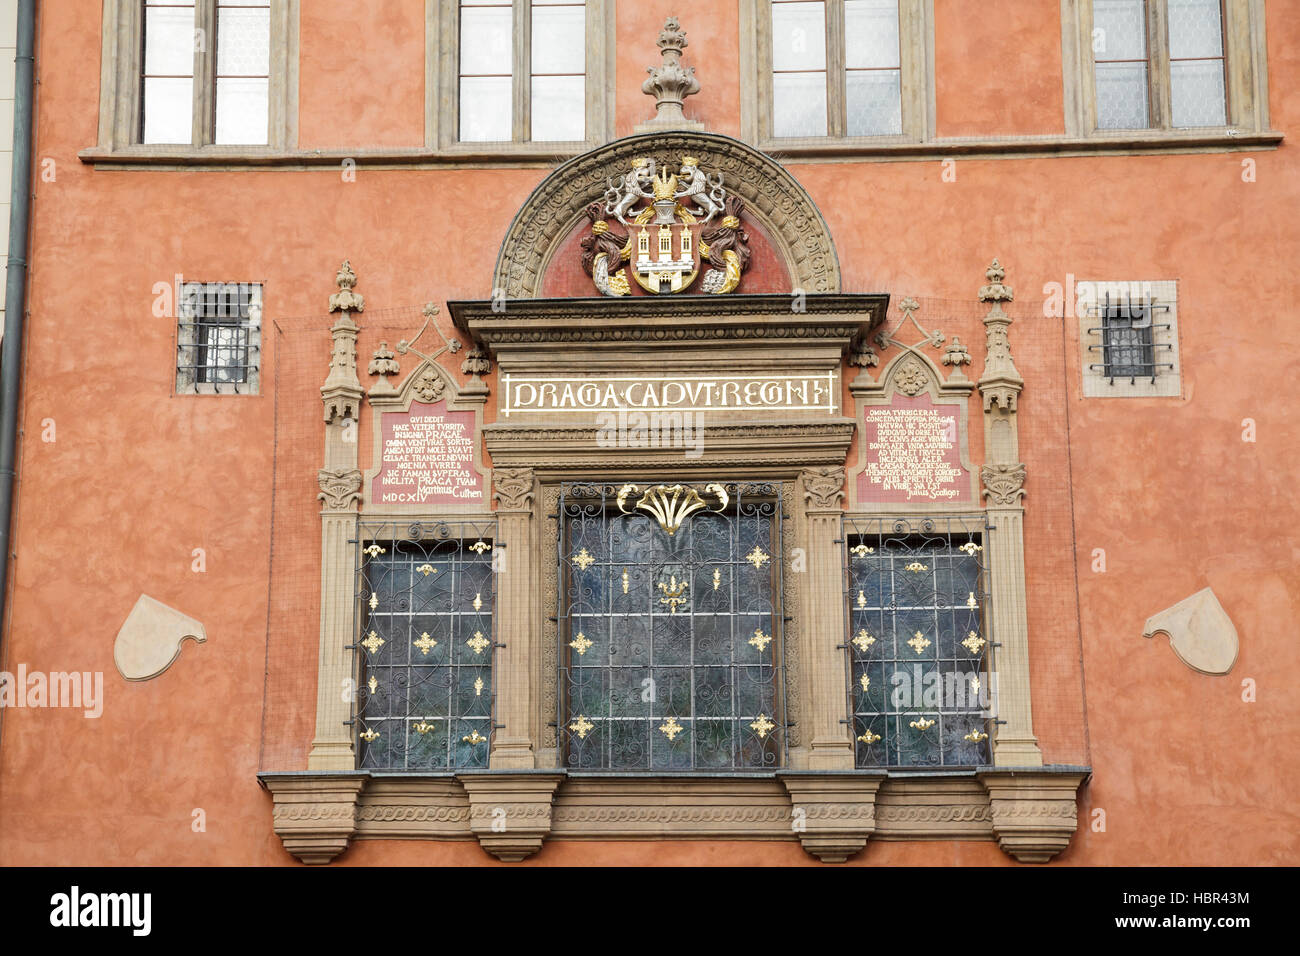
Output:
x=670 y=83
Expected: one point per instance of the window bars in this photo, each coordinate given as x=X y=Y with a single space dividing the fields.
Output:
x=219 y=337
x=1128 y=347
x=920 y=688
x=670 y=627
x=424 y=604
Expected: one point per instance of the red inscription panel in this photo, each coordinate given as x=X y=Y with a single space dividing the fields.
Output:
x=427 y=457
x=913 y=454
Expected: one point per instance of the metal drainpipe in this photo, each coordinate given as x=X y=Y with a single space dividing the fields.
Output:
x=16 y=284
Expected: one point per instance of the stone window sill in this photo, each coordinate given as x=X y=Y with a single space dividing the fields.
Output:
x=1031 y=813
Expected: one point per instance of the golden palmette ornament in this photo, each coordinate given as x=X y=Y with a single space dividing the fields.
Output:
x=478 y=601
x=970 y=547
x=673 y=593
x=758 y=557
x=368 y=735
x=922 y=724
x=760 y=640
x=919 y=642
x=717 y=578
x=671 y=505
x=975 y=736
x=916 y=567
x=861 y=551
x=478 y=642
x=970 y=600
x=869 y=738
x=427 y=569
x=862 y=599
x=374 y=600
x=478 y=687
x=670 y=728
x=625 y=580
x=762 y=726
x=973 y=642
x=373 y=550
x=373 y=642
x=480 y=546
x=583 y=559
x=865 y=681
x=373 y=684
x=473 y=737
x=582 y=726
x=423 y=727
x=425 y=643
x=581 y=644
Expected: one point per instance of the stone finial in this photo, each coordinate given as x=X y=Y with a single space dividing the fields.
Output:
x=476 y=363
x=1000 y=383
x=345 y=300
x=670 y=83
x=383 y=364
x=995 y=291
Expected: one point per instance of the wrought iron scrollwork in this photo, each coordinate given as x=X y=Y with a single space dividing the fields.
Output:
x=426 y=598
x=919 y=682
x=669 y=636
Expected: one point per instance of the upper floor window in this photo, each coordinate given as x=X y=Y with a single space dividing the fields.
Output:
x=1166 y=65
x=178 y=76
x=522 y=71
x=205 y=72
x=838 y=69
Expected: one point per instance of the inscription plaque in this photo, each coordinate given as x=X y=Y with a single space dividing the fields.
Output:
x=427 y=457
x=913 y=454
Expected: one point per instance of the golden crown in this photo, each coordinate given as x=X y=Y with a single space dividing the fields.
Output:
x=664 y=185
x=639 y=162
x=690 y=161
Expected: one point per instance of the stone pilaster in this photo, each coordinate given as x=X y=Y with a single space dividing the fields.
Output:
x=340 y=490
x=513 y=745
x=825 y=731
x=1003 y=478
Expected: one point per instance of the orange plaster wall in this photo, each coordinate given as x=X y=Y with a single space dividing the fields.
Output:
x=137 y=478
x=978 y=48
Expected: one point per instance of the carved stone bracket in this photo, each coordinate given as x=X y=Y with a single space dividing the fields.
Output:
x=510 y=813
x=314 y=815
x=833 y=814
x=513 y=488
x=1034 y=813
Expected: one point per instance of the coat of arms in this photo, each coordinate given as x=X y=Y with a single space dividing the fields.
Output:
x=669 y=242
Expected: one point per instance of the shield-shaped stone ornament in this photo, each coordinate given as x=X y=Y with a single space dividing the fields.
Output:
x=665 y=242
x=1200 y=633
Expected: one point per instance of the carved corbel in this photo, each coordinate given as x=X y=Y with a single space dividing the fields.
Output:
x=823 y=488
x=340 y=488
x=833 y=814
x=314 y=816
x=1004 y=485
x=1034 y=814
x=510 y=813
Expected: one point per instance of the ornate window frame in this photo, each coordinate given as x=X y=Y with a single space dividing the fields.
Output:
x=1244 y=47
x=119 y=88
x=916 y=52
x=442 y=58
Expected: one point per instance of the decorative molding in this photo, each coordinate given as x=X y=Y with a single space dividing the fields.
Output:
x=513 y=488
x=823 y=488
x=1003 y=484
x=340 y=488
x=1032 y=814
x=772 y=197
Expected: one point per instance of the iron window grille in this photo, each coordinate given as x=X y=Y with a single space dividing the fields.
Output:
x=219 y=337
x=425 y=604
x=1128 y=347
x=920 y=686
x=670 y=628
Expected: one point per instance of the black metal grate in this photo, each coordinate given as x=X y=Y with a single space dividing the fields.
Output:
x=425 y=599
x=1128 y=347
x=671 y=643
x=920 y=689
x=218 y=338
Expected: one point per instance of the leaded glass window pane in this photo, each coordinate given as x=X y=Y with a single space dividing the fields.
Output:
x=1197 y=90
x=426 y=596
x=920 y=682
x=670 y=642
x=799 y=69
x=1119 y=44
x=243 y=72
x=167 y=81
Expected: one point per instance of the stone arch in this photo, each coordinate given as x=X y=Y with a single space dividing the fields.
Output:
x=772 y=197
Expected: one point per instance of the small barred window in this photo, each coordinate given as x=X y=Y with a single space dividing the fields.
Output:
x=1129 y=337
x=219 y=337
x=1128 y=348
